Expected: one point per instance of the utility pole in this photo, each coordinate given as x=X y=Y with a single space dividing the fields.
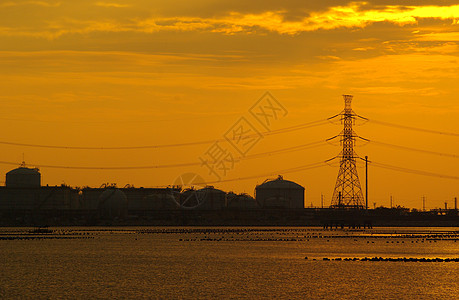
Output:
x=423 y=203
x=391 y=201
x=348 y=192
x=366 y=182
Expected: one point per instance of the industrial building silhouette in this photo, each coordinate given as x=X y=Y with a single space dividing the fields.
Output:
x=24 y=195
x=278 y=202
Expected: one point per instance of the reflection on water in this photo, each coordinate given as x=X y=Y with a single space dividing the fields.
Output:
x=228 y=262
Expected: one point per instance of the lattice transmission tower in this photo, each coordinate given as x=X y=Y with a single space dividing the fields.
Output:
x=348 y=193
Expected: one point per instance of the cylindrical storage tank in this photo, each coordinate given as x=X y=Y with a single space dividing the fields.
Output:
x=207 y=198
x=276 y=202
x=23 y=177
x=113 y=204
x=280 y=193
x=89 y=198
x=157 y=201
x=241 y=201
x=211 y=198
x=148 y=199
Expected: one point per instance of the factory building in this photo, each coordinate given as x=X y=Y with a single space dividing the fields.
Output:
x=39 y=199
x=280 y=193
x=23 y=198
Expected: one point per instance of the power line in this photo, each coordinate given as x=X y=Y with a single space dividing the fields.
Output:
x=253 y=156
x=415 y=149
x=107 y=168
x=284 y=171
x=286 y=150
x=414 y=128
x=297 y=127
x=413 y=171
x=155 y=120
x=273 y=132
x=106 y=148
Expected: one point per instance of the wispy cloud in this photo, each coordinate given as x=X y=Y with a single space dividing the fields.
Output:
x=439 y=36
x=37 y=3
x=394 y=89
x=328 y=57
x=111 y=4
x=363 y=48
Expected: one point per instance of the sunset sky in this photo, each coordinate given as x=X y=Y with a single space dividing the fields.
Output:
x=142 y=73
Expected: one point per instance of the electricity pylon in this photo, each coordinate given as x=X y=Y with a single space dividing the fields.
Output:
x=348 y=193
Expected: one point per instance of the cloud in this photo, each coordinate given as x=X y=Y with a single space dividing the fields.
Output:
x=354 y=15
x=363 y=48
x=108 y=4
x=351 y=16
x=37 y=3
x=393 y=90
x=439 y=36
x=415 y=74
x=328 y=57
x=388 y=74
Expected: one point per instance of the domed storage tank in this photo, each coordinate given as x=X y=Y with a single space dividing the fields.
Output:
x=158 y=201
x=280 y=193
x=241 y=201
x=212 y=198
x=23 y=177
x=207 y=198
x=113 y=204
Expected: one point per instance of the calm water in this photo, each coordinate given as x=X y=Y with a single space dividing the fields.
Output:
x=161 y=263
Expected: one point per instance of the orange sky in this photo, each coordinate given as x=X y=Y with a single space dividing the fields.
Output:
x=141 y=72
